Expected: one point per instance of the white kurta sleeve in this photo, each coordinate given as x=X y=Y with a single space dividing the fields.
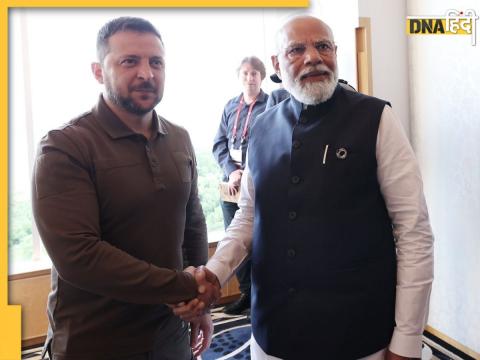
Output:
x=235 y=246
x=402 y=188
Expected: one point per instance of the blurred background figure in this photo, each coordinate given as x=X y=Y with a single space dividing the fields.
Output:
x=229 y=149
x=277 y=95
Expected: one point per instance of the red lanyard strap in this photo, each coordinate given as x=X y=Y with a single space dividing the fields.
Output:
x=245 y=127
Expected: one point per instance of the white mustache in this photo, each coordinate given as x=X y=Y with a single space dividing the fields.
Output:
x=317 y=68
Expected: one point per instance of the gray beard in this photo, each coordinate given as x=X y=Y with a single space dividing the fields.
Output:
x=312 y=93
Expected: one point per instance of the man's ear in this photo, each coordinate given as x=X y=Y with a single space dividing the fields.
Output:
x=276 y=65
x=97 y=71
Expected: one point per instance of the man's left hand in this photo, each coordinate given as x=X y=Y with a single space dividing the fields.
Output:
x=201 y=334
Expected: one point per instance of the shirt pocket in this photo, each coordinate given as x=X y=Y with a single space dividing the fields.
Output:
x=184 y=164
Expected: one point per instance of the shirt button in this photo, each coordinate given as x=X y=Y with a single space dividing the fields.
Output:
x=295 y=179
x=292 y=215
x=296 y=144
x=291 y=253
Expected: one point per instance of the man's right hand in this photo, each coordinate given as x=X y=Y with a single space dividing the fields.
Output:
x=208 y=286
x=208 y=294
x=234 y=180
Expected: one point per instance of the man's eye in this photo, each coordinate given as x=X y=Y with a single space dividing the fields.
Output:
x=156 y=63
x=325 y=47
x=128 y=62
x=297 y=50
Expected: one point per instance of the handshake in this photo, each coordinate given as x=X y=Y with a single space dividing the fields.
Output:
x=208 y=293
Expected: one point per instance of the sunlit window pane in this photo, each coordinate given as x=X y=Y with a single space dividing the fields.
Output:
x=51 y=83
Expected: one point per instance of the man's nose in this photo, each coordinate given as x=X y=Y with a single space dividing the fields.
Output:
x=145 y=71
x=312 y=56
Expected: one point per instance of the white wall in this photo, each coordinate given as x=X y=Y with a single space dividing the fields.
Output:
x=342 y=17
x=389 y=53
x=445 y=78
x=433 y=84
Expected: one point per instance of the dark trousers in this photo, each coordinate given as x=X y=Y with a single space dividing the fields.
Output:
x=175 y=345
x=244 y=271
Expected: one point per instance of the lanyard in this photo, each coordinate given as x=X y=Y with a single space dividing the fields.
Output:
x=245 y=127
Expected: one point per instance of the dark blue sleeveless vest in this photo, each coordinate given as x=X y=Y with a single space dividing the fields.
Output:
x=324 y=267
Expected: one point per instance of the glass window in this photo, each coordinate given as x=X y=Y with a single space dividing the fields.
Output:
x=51 y=83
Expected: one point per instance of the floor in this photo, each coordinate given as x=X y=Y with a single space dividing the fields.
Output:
x=232 y=333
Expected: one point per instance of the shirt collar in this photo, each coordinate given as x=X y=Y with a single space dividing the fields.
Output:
x=116 y=128
x=262 y=97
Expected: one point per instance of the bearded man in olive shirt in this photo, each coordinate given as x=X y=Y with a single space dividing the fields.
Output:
x=116 y=204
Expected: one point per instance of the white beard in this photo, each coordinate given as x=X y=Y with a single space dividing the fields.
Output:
x=312 y=93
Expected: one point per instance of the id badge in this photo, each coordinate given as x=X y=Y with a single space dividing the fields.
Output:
x=236 y=155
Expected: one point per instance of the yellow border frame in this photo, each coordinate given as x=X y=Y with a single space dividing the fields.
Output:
x=10 y=315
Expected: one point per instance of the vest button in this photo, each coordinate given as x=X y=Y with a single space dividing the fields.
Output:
x=291 y=253
x=295 y=179
x=296 y=144
x=292 y=215
x=292 y=291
